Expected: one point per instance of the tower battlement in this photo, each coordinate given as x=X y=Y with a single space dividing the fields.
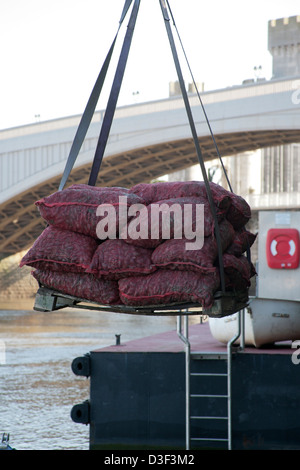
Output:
x=284 y=46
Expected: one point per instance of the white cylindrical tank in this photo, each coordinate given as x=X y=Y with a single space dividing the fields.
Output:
x=266 y=321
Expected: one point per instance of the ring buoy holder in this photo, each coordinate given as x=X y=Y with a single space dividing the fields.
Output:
x=225 y=302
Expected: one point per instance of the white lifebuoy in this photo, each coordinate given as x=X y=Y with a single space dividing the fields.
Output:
x=292 y=247
x=273 y=247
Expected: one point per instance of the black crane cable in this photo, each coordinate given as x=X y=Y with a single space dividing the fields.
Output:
x=200 y=99
x=196 y=141
x=205 y=115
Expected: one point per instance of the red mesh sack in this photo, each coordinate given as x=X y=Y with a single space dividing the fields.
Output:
x=239 y=211
x=115 y=259
x=242 y=239
x=166 y=287
x=238 y=271
x=60 y=250
x=82 y=285
x=155 y=225
x=153 y=192
x=75 y=209
x=172 y=254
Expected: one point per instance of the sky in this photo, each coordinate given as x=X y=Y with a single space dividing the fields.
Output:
x=53 y=50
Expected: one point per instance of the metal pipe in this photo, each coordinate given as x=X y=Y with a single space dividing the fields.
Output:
x=184 y=339
x=229 y=374
x=242 y=340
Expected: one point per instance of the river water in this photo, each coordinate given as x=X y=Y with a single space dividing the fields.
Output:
x=37 y=386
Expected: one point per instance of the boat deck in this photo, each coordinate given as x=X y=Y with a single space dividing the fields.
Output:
x=149 y=376
x=200 y=338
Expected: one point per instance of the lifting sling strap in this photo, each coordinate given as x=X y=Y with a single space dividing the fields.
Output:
x=113 y=98
x=90 y=107
x=195 y=138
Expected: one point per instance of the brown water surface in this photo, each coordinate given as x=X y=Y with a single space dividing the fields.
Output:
x=37 y=386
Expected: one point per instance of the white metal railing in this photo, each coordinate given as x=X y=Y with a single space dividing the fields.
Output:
x=184 y=336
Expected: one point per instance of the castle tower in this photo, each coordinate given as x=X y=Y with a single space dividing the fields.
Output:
x=284 y=46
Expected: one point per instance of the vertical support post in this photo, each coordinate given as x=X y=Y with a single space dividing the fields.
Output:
x=229 y=377
x=242 y=340
x=184 y=339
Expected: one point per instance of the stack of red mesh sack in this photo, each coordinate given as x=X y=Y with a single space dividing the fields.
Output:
x=69 y=256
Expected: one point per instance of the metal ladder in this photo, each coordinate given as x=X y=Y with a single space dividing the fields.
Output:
x=216 y=381
x=226 y=375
